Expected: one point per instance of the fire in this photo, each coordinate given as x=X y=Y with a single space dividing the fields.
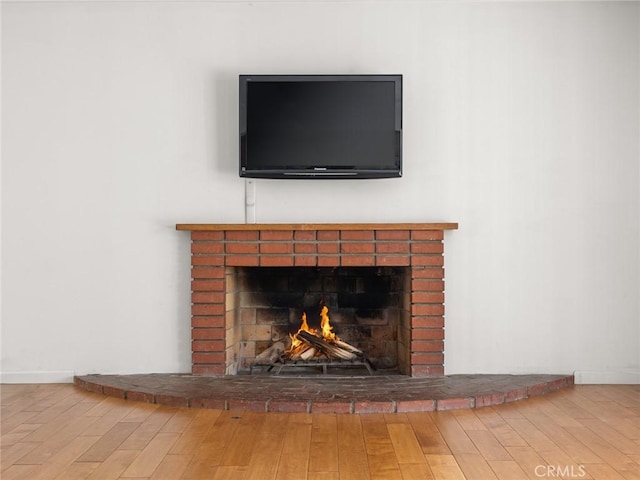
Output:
x=296 y=345
x=325 y=325
x=326 y=333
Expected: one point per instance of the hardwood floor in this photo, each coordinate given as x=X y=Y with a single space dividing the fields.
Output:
x=61 y=432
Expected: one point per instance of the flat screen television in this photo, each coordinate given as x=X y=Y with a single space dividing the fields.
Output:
x=320 y=126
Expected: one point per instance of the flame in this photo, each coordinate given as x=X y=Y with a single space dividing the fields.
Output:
x=296 y=345
x=325 y=325
x=326 y=332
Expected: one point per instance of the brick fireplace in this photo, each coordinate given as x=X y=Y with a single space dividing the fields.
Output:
x=231 y=323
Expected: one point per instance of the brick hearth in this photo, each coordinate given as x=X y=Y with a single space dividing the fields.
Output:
x=218 y=248
x=319 y=394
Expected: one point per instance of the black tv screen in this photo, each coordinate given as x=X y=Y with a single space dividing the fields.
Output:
x=320 y=126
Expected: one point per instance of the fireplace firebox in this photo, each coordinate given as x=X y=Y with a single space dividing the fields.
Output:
x=364 y=304
x=383 y=285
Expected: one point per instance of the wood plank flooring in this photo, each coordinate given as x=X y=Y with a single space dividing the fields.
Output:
x=61 y=432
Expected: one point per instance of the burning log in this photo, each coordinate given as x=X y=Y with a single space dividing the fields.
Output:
x=308 y=353
x=330 y=350
x=349 y=347
x=308 y=342
x=311 y=347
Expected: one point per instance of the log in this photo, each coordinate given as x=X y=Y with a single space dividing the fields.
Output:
x=308 y=353
x=271 y=354
x=350 y=348
x=325 y=347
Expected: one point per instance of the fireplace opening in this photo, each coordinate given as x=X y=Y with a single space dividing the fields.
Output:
x=369 y=309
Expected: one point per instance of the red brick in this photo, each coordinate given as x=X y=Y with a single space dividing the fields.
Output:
x=172 y=400
x=288 y=406
x=211 y=260
x=427 y=359
x=517 y=394
x=357 y=247
x=427 y=260
x=204 y=272
x=428 y=285
x=214 y=403
x=427 y=334
x=79 y=382
x=208 y=333
x=393 y=260
x=92 y=387
x=141 y=397
x=427 y=247
x=208 y=369
x=242 y=260
x=266 y=235
x=207 y=309
x=276 y=261
x=208 y=358
x=420 y=346
x=113 y=392
x=426 y=370
x=242 y=248
x=358 y=260
x=304 y=235
x=279 y=248
x=207 y=236
x=489 y=399
x=325 y=248
x=217 y=321
x=207 y=297
x=427 y=309
x=454 y=403
x=427 y=272
x=214 y=272
x=537 y=390
x=421 y=286
x=247 y=405
x=305 y=260
x=328 y=235
x=328 y=261
x=426 y=321
x=427 y=235
x=374 y=407
x=392 y=235
x=392 y=247
x=427 y=297
x=241 y=235
x=203 y=248
x=405 y=406
x=560 y=383
x=331 y=407
x=356 y=235
x=304 y=248
x=207 y=285
x=208 y=346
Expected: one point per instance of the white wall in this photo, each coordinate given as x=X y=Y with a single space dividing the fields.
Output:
x=521 y=122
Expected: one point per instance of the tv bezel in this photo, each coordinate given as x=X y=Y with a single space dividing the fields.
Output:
x=320 y=172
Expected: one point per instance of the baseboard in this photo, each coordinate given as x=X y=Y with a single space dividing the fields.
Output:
x=625 y=376
x=55 y=376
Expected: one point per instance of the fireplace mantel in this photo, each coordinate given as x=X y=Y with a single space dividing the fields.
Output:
x=212 y=227
x=219 y=250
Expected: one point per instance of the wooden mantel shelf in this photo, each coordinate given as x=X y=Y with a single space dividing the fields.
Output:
x=205 y=227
